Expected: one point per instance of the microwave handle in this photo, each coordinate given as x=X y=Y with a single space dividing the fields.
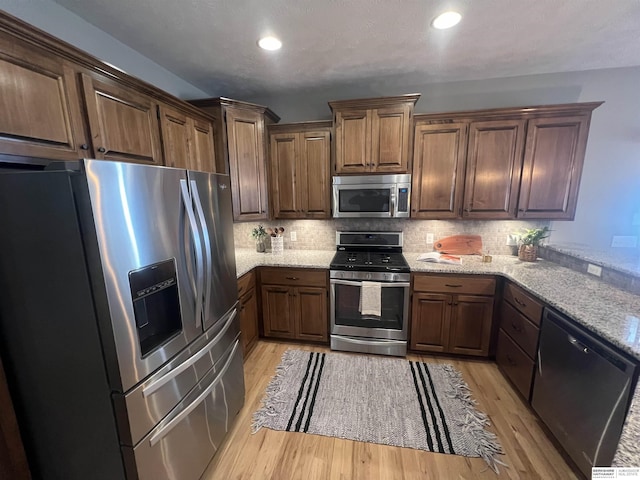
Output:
x=392 y=213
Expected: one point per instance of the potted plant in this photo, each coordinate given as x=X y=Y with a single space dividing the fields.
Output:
x=529 y=241
x=259 y=234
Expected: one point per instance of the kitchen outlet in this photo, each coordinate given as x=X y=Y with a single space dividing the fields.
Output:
x=294 y=237
x=594 y=270
x=429 y=238
x=622 y=241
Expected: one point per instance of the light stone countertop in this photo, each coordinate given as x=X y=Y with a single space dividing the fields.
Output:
x=603 y=309
x=625 y=260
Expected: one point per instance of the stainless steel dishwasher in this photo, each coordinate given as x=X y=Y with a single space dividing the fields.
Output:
x=581 y=391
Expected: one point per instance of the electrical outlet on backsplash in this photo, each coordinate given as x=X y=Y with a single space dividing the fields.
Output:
x=321 y=234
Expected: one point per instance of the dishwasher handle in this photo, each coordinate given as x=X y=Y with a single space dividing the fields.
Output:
x=577 y=344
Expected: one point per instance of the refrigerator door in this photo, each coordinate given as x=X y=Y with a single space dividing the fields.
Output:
x=211 y=195
x=141 y=227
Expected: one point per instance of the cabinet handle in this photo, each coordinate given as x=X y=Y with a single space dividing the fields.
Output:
x=292 y=278
x=84 y=146
x=102 y=149
x=522 y=304
x=511 y=361
x=455 y=303
x=516 y=327
x=452 y=285
x=240 y=290
x=449 y=303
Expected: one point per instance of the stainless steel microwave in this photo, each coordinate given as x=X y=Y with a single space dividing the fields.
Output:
x=371 y=196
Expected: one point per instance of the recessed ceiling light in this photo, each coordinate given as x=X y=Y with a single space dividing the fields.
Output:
x=446 y=20
x=270 y=43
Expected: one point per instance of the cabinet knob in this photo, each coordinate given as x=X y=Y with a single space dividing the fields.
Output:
x=84 y=146
x=102 y=149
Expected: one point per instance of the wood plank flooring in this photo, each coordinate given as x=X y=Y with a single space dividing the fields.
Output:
x=278 y=455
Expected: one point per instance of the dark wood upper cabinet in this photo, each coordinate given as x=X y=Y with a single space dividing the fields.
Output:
x=299 y=161
x=187 y=142
x=241 y=152
x=39 y=106
x=123 y=122
x=439 y=155
x=175 y=137
x=521 y=162
x=373 y=135
x=494 y=162
x=552 y=167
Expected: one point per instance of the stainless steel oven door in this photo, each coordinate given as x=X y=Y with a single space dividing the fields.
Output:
x=346 y=318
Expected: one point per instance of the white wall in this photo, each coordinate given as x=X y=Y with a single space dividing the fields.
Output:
x=61 y=23
x=610 y=188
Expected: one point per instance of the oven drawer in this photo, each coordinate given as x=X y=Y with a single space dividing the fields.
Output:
x=294 y=276
x=523 y=302
x=246 y=282
x=454 y=284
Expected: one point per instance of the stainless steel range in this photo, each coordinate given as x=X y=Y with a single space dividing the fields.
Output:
x=369 y=280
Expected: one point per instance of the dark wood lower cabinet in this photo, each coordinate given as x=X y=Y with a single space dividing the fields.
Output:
x=248 y=320
x=451 y=323
x=311 y=321
x=515 y=364
x=295 y=304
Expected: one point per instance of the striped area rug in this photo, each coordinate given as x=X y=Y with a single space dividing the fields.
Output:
x=378 y=400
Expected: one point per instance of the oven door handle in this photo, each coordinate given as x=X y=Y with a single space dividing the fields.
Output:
x=359 y=283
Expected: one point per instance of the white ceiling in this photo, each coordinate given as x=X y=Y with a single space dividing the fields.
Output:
x=212 y=43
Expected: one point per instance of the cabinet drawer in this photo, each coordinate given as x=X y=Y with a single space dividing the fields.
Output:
x=246 y=282
x=525 y=303
x=514 y=363
x=294 y=276
x=454 y=284
x=521 y=330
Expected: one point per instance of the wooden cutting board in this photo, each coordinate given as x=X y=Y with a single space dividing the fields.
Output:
x=460 y=245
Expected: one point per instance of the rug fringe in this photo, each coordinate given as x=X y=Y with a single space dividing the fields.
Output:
x=475 y=421
x=272 y=402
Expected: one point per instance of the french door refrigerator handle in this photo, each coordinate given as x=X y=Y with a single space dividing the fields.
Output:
x=159 y=383
x=164 y=431
x=193 y=226
x=208 y=253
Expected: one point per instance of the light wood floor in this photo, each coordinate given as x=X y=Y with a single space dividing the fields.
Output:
x=279 y=455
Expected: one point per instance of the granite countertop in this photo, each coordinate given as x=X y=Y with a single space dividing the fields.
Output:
x=603 y=309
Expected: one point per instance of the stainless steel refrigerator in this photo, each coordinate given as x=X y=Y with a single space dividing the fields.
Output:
x=118 y=318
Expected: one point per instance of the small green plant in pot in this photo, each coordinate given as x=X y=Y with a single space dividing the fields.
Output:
x=529 y=241
x=259 y=234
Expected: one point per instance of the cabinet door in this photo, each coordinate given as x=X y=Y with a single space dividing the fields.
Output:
x=552 y=167
x=175 y=128
x=430 y=317
x=39 y=105
x=311 y=318
x=202 y=147
x=315 y=174
x=390 y=134
x=123 y=122
x=277 y=311
x=494 y=163
x=471 y=319
x=248 y=320
x=245 y=143
x=438 y=170
x=353 y=141
x=285 y=175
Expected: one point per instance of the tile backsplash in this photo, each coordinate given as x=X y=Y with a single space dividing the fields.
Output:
x=321 y=234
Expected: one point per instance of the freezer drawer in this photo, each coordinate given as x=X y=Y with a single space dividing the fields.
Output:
x=142 y=408
x=192 y=433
